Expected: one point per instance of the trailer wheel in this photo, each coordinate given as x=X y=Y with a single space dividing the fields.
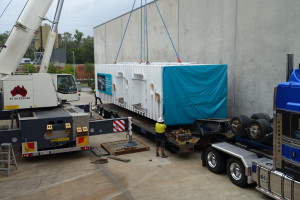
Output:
x=258 y=129
x=102 y=112
x=214 y=161
x=238 y=124
x=271 y=121
x=111 y=115
x=261 y=116
x=99 y=110
x=236 y=172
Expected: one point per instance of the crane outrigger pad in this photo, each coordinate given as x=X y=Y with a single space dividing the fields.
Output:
x=119 y=148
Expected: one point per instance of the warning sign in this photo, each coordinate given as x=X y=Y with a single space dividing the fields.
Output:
x=29 y=147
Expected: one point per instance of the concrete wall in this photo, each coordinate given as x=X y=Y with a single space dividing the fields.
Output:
x=252 y=37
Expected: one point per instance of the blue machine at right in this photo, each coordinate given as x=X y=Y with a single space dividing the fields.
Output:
x=287 y=144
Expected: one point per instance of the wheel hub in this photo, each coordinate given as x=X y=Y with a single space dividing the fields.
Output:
x=254 y=131
x=236 y=125
x=235 y=171
x=211 y=158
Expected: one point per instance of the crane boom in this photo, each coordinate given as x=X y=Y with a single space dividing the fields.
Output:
x=51 y=39
x=22 y=34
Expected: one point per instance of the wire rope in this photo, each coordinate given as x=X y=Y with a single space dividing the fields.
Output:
x=167 y=31
x=124 y=32
x=5 y=8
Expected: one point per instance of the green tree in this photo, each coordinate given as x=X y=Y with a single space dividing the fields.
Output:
x=89 y=70
x=67 y=40
x=79 y=55
x=88 y=45
x=68 y=69
x=3 y=38
x=29 y=68
x=52 y=69
x=78 y=37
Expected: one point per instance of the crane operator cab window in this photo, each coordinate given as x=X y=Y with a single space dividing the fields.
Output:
x=66 y=84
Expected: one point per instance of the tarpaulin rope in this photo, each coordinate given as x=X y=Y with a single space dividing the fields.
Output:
x=167 y=32
x=141 y=60
x=146 y=32
x=125 y=32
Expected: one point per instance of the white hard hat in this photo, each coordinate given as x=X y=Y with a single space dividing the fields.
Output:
x=160 y=119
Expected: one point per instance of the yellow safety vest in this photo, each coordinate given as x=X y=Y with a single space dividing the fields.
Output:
x=160 y=128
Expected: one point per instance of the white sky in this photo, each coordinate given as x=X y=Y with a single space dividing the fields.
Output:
x=83 y=15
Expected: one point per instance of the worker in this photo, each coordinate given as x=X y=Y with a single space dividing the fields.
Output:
x=160 y=129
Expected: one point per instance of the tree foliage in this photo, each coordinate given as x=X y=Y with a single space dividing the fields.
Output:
x=83 y=47
x=67 y=69
x=52 y=69
x=78 y=37
x=3 y=38
x=29 y=68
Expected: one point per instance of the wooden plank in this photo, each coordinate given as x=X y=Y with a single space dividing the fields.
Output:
x=119 y=159
x=118 y=147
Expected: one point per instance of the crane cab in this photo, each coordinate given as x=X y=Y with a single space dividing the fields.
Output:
x=66 y=87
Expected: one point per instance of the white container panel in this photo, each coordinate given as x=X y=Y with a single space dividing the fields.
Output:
x=139 y=88
x=136 y=87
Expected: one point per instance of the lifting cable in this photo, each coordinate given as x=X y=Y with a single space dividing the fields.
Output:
x=124 y=32
x=146 y=24
x=141 y=55
x=167 y=32
x=146 y=32
x=5 y=8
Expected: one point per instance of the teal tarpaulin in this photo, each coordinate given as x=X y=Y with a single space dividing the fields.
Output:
x=194 y=92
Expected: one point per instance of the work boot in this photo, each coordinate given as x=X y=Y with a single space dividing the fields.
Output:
x=163 y=155
x=157 y=154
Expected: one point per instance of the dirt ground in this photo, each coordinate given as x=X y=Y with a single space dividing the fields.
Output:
x=73 y=176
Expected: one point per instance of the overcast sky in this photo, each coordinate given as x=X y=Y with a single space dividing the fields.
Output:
x=83 y=15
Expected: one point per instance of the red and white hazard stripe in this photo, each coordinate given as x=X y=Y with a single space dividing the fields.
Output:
x=119 y=125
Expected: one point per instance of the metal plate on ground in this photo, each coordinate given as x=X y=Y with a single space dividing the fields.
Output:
x=119 y=148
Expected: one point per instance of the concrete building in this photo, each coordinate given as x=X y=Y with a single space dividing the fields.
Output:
x=252 y=37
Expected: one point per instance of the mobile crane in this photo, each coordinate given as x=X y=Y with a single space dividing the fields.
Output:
x=32 y=87
x=33 y=115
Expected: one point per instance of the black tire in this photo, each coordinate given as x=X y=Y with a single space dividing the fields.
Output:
x=99 y=110
x=236 y=172
x=239 y=124
x=112 y=116
x=103 y=113
x=271 y=121
x=214 y=161
x=261 y=116
x=258 y=129
x=268 y=139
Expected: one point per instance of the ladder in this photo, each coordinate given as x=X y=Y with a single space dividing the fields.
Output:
x=7 y=157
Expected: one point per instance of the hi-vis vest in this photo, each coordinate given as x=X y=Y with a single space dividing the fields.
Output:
x=160 y=128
